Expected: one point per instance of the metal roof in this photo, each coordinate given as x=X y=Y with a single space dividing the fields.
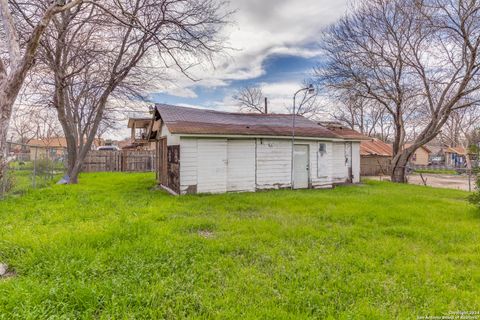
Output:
x=182 y=120
x=375 y=147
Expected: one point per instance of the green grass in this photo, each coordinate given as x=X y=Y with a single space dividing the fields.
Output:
x=113 y=248
x=434 y=171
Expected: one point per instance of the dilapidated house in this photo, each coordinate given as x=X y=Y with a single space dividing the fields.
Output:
x=376 y=158
x=206 y=151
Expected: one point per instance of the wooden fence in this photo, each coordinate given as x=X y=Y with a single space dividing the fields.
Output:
x=120 y=161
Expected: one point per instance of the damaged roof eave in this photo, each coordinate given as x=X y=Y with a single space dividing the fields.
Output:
x=191 y=135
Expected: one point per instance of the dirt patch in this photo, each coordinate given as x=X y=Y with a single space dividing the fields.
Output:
x=457 y=182
x=207 y=234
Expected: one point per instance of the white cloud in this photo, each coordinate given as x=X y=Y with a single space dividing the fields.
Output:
x=261 y=29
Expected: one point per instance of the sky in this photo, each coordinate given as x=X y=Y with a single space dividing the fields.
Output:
x=274 y=45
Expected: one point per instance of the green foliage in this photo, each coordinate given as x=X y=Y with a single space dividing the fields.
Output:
x=115 y=248
x=434 y=171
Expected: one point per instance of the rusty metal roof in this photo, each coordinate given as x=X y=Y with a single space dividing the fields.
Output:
x=375 y=147
x=344 y=132
x=458 y=150
x=182 y=120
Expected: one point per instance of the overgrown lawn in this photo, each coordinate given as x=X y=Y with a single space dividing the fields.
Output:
x=114 y=248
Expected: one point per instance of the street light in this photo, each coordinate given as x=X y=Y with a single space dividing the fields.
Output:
x=310 y=90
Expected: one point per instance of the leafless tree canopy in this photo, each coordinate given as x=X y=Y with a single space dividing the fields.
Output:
x=363 y=115
x=101 y=53
x=251 y=99
x=17 y=57
x=307 y=104
x=417 y=60
x=460 y=126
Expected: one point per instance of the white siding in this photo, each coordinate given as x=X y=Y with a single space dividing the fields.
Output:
x=188 y=164
x=212 y=165
x=172 y=139
x=217 y=165
x=273 y=163
x=356 y=162
x=241 y=165
x=339 y=166
x=321 y=164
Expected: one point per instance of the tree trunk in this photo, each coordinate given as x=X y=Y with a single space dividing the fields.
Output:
x=400 y=163
x=5 y=115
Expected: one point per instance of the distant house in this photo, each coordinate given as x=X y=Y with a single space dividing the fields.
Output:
x=375 y=158
x=138 y=139
x=206 y=151
x=457 y=157
x=421 y=157
x=53 y=148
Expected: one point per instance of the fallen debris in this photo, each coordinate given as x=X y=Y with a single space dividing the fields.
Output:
x=5 y=272
x=3 y=269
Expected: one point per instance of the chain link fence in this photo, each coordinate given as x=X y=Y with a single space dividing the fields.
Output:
x=438 y=176
x=31 y=167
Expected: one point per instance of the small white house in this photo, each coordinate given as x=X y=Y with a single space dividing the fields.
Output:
x=206 y=151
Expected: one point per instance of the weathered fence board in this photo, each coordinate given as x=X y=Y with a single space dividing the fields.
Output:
x=120 y=161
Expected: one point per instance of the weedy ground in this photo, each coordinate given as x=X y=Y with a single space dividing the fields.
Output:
x=112 y=247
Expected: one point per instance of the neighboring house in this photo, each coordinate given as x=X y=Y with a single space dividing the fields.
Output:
x=421 y=157
x=206 y=151
x=457 y=157
x=52 y=148
x=138 y=139
x=376 y=158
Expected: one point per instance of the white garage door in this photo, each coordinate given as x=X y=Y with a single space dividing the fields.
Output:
x=225 y=165
x=241 y=165
x=212 y=165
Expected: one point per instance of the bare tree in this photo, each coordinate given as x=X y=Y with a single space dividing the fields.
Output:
x=309 y=106
x=19 y=59
x=415 y=59
x=458 y=127
x=362 y=115
x=102 y=52
x=251 y=99
x=22 y=125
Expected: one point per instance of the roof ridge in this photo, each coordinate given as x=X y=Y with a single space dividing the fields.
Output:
x=231 y=113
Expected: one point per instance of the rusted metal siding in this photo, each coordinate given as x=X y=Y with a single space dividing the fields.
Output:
x=375 y=165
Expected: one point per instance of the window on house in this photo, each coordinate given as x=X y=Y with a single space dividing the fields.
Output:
x=322 y=148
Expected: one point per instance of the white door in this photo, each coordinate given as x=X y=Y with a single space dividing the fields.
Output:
x=241 y=165
x=301 y=167
x=212 y=165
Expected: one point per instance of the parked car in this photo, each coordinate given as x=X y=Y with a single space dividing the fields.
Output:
x=436 y=160
x=108 y=148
